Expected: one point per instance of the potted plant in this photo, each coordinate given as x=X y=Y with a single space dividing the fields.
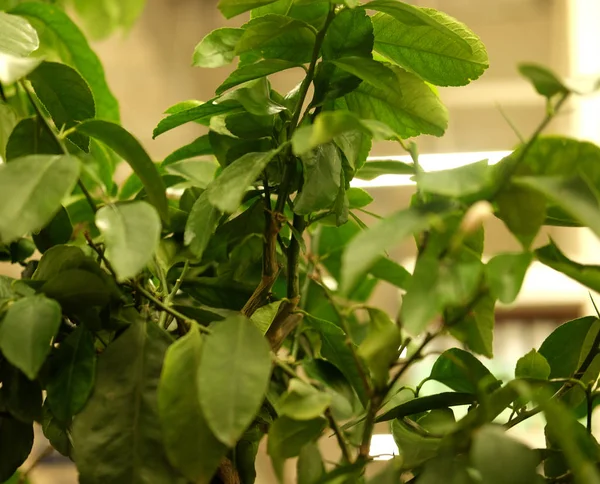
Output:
x=164 y=328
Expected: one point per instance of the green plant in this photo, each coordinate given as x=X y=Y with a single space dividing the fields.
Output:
x=172 y=329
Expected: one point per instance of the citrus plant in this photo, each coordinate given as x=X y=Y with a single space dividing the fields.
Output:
x=164 y=328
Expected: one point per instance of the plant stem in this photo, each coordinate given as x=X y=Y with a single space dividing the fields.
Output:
x=339 y=435
x=169 y=298
x=100 y=253
x=2 y=95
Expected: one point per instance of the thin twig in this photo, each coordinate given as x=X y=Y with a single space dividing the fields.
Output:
x=339 y=435
x=100 y=253
x=169 y=298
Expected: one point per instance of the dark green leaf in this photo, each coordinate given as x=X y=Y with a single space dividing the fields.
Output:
x=310 y=467
x=72 y=375
x=18 y=39
x=250 y=126
x=505 y=274
x=58 y=231
x=415 y=449
x=349 y=34
x=457 y=182
x=66 y=96
x=391 y=474
x=16 y=441
x=124 y=144
x=217 y=48
x=189 y=442
x=532 y=365
x=544 y=80
x=257 y=70
x=462 y=372
x=231 y=8
x=26 y=332
x=118 y=435
x=30 y=137
x=302 y=401
x=58 y=259
x=370 y=71
x=77 y=288
x=237 y=349
x=81 y=56
x=57 y=433
x=8 y=121
x=201 y=224
x=373 y=169
x=199 y=147
x=21 y=396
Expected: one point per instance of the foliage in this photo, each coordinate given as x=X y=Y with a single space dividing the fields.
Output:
x=161 y=331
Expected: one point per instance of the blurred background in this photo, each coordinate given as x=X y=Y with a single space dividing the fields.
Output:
x=149 y=69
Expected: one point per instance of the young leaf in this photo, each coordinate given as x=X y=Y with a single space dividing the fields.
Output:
x=189 y=442
x=458 y=182
x=231 y=8
x=31 y=192
x=199 y=113
x=544 y=80
x=18 y=39
x=131 y=233
x=73 y=371
x=16 y=441
x=80 y=55
x=120 y=423
x=236 y=349
x=124 y=144
x=429 y=43
x=217 y=48
x=257 y=70
x=302 y=401
x=26 y=332
x=532 y=365
x=505 y=274
x=199 y=147
x=201 y=224
x=66 y=96
x=373 y=169
x=462 y=372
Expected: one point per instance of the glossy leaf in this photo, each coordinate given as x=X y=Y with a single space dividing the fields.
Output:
x=302 y=401
x=544 y=80
x=118 y=435
x=237 y=349
x=257 y=70
x=231 y=8
x=505 y=274
x=349 y=34
x=18 y=39
x=27 y=331
x=189 y=442
x=16 y=440
x=462 y=372
x=131 y=233
x=201 y=113
x=199 y=147
x=532 y=365
x=425 y=404
x=31 y=192
x=124 y=144
x=217 y=48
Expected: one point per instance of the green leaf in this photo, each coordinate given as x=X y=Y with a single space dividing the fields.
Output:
x=414 y=109
x=201 y=224
x=425 y=404
x=544 y=80
x=532 y=365
x=58 y=231
x=370 y=71
x=102 y=18
x=199 y=147
x=199 y=172
x=30 y=138
x=26 y=346
x=18 y=39
x=392 y=272
x=232 y=8
x=373 y=169
x=131 y=233
x=358 y=198
x=322 y=169
x=19 y=395
x=217 y=48
x=8 y=121
x=302 y=401
x=462 y=372
x=429 y=43
x=476 y=329
x=76 y=289
x=257 y=70
x=523 y=211
x=264 y=316
x=227 y=191
x=236 y=349
x=501 y=459
x=310 y=467
x=190 y=444
x=73 y=370
x=277 y=37
x=16 y=441
x=380 y=348
x=58 y=259
x=118 y=436
x=458 y=182
x=255 y=97
x=66 y=96
x=505 y=274
x=130 y=149
x=391 y=474
x=446 y=469
x=31 y=192
x=415 y=449
x=349 y=34
x=57 y=434
x=81 y=56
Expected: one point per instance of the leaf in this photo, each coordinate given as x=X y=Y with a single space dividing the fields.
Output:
x=30 y=138
x=58 y=259
x=73 y=370
x=391 y=474
x=102 y=18
x=217 y=48
x=19 y=395
x=277 y=37
x=255 y=97
x=373 y=169
x=8 y=121
x=501 y=459
x=476 y=329
x=57 y=434
x=462 y=372
x=200 y=173
x=458 y=182
x=76 y=289
x=505 y=274
x=544 y=80
x=18 y=39
x=199 y=147
x=26 y=332
x=358 y=198
x=227 y=190
x=264 y=316
x=322 y=169
x=129 y=148
x=532 y=365
x=31 y=192
x=523 y=211
x=66 y=96
x=310 y=467
x=232 y=8
x=237 y=349
x=302 y=401
x=425 y=404
x=259 y=69
x=447 y=469
x=392 y=272
x=57 y=232
x=118 y=435
x=414 y=110
x=414 y=448
x=16 y=441
x=81 y=56
x=189 y=443
x=201 y=224
x=349 y=34
x=370 y=71
x=429 y=43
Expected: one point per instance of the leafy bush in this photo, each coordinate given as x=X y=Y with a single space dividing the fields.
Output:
x=165 y=327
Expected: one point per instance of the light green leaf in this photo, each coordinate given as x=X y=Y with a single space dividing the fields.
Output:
x=358 y=198
x=501 y=459
x=433 y=45
x=199 y=147
x=392 y=272
x=31 y=192
x=201 y=224
x=227 y=191
x=81 y=56
x=373 y=169
x=458 y=182
x=264 y=316
x=130 y=149
x=544 y=80
x=310 y=467
x=255 y=97
x=370 y=71
x=103 y=17
x=58 y=259
x=236 y=349
x=190 y=445
x=120 y=424
x=199 y=172
x=415 y=449
x=250 y=72
x=532 y=365
x=302 y=401
x=26 y=332
x=72 y=374
x=217 y=48
x=476 y=329
x=505 y=274
x=462 y=372
x=231 y=8
x=18 y=39
x=391 y=473
x=131 y=233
